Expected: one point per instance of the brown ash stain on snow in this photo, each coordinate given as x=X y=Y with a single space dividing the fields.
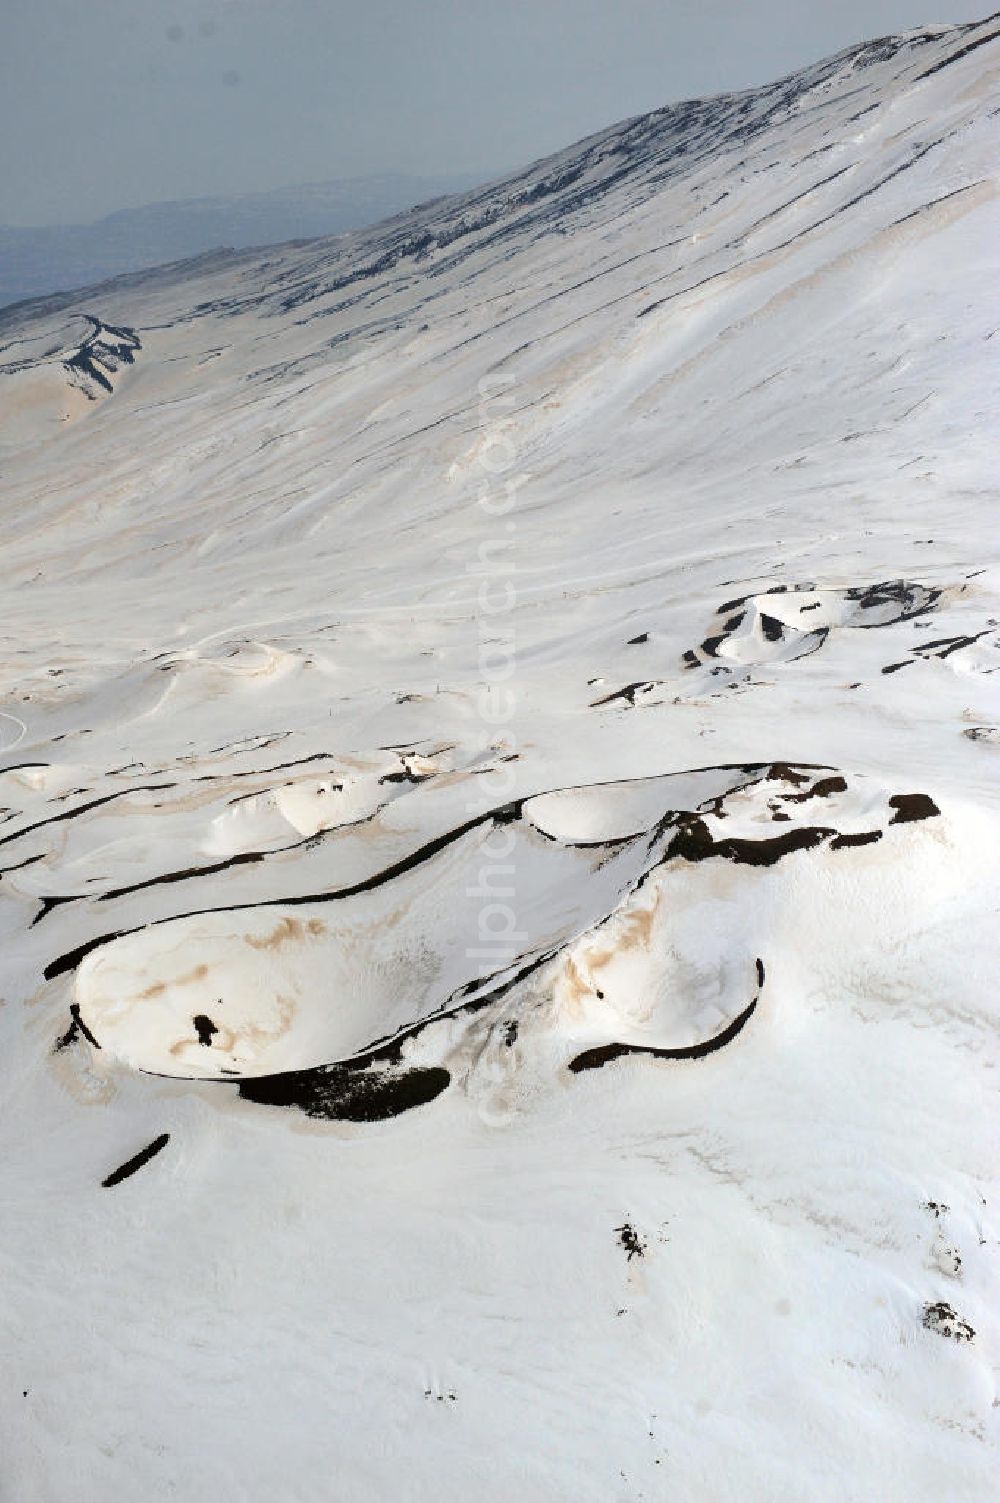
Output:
x=287 y=930
x=157 y=988
x=575 y=989
x=635 y=933
x=208 y=1033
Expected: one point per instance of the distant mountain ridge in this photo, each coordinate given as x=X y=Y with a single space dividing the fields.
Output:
x=35 y=261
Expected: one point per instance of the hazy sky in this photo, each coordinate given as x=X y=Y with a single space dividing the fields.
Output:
x=110 y=103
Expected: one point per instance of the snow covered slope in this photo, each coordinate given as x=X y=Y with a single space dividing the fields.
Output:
x=35 y=260
x=500 y=832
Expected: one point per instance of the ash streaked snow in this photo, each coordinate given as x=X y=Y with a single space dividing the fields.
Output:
x=498 y=782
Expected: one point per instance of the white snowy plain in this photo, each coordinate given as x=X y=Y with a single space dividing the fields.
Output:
x=499 y=751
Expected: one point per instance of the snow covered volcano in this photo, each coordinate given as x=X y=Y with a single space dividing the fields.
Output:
x=500 y=831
